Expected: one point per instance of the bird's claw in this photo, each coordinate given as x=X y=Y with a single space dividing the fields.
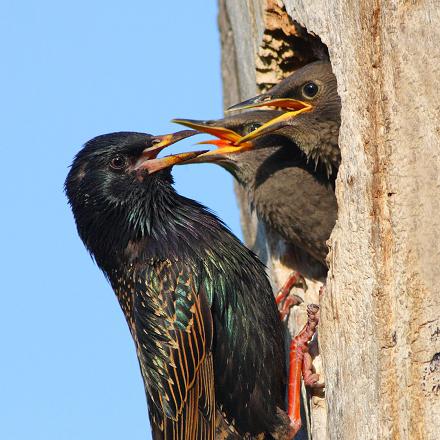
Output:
x=292 y=300
x=310 y=378
x=284 y=299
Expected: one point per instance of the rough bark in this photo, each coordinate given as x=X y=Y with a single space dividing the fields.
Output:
x=379 y=334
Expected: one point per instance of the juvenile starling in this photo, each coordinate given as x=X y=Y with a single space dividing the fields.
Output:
x=312 y=118
x=198 y=304
x=290 y=194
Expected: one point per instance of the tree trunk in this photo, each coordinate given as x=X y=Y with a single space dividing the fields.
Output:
x=379 y=334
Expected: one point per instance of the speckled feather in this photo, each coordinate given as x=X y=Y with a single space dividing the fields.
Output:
x=198 y=303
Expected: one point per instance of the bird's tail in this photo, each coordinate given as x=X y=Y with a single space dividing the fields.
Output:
x=197 y=419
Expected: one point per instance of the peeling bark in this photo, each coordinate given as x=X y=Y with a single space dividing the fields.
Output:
x=380 y=316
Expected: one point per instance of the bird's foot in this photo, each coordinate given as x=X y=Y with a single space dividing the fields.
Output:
x=284 y=300
x=300 y=361
x=309 y=377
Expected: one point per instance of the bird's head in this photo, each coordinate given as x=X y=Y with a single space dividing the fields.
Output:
x=232 y=154
x=310 y=103
x=115 y=181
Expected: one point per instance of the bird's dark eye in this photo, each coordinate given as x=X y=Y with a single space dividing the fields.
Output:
x=118 y=162
x=310 y=89
x=251 y=127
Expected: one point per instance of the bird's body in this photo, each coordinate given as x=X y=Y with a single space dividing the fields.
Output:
x=290 y=193
x=198 y=304
x=292 y=198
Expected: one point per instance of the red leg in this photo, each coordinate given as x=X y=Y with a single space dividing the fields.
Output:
x=297 y=355
x=284 y=292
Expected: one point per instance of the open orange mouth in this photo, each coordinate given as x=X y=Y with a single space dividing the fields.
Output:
x=228 y=141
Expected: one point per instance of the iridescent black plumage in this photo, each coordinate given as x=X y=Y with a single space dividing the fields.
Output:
x=198 y=303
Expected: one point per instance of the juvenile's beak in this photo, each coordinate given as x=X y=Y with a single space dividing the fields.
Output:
x=205 y=127
x=272 y=126
x=149 y=161
x=220 y=153
x=227 y=142
x=267 y=100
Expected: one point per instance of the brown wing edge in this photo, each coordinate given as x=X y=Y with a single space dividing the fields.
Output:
x=196 y=420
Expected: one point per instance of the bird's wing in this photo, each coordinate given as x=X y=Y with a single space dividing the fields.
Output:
x=173 y=330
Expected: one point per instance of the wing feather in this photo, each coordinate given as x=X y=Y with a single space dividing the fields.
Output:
x=173 y=330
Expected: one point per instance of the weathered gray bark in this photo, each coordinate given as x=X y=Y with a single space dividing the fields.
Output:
x=379 y=334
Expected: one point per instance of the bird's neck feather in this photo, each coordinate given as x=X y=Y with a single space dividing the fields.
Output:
x=320 y=143
x=159 y=224
x=246 y=164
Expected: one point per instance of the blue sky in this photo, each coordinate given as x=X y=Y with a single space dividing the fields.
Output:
x=70 y=71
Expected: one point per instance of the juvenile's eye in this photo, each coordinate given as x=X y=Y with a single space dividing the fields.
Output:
x=251 y=127
x=310 y=89
x=118 y=162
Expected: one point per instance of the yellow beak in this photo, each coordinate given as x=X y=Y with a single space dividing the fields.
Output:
x=273 y=125
x=227 y=142
x=149 y=161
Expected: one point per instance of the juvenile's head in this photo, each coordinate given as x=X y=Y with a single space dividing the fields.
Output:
x=309 y=91
x=311 y=117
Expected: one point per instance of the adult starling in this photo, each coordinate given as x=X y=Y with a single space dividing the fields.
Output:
x=198 y=304
x=290 y=194
x=312 y=118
